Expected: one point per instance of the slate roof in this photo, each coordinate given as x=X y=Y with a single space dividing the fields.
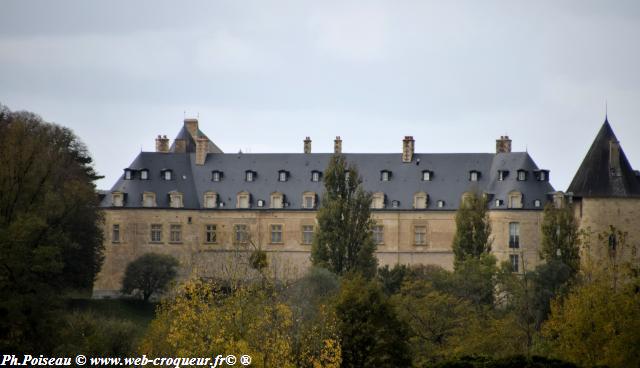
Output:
x=594 y=177
x=191 y=143
x=450 y=178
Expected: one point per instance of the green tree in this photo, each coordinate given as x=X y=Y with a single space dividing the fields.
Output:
x=50 y=226
x=473 y=228
x=371 y=335
x=344 y=242
x=149 y=274
x=560 y=240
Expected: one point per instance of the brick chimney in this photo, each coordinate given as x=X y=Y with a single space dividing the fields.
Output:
x=192 y=126
x=503 y=145
x=337 y=145
x=202 y=145
x=180 y=146
x=162 y=144
x=307 y=145
x=408 y=146
x=614 y=158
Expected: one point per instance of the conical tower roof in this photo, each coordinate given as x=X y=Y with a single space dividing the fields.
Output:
x=605 y=170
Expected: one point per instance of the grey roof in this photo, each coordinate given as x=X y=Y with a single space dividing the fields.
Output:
x=450 y=177
x=191 y=143
x=594 y=177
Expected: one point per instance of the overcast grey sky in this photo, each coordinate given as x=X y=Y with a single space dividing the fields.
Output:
x=262 y=75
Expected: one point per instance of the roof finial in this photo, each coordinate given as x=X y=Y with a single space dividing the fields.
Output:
x=606 y=111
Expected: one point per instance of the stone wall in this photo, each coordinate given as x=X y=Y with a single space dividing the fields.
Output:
x=291 y=257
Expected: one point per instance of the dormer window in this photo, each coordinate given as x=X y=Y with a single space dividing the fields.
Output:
x=537 y=203
x=175 y=200
x=148 y=199
x=144 y=174
x=117 y=199
x=167 y=174
x=128 y=174
x=542 y=175
x=427 y=175
x=515 y=200
x=249 y=175
x=420 y=200
x=395 y=204
x=474 y=175
x=522 y=175
x=309 y=200
x=377 y=200
x=216 y=175
x=283 y=175
x=210 y=200
x=315 y=176
x=499 y=202
x=277 y=200
x=502 y=174
x=385 y=175
x=243 y=200
x=440 y=204
x=260 y=203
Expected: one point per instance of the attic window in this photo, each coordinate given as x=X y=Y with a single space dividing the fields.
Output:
x=377 y=200
x=420 y=200
x=499 y=202
x=260 y=203
x=167 y=174
x=542 y=175
x=144 y=174
x=128 y=174
x=117 y=199
x=175 y=200
x=216 y=175
x=427 y=175
x=474 y=175
x=277 y=200
x=537 y=203
x=210 y=199
x=385 y=175
x=243 y=200
x=502 y=174
x=309 y=200
x=148 y=199
x=440 y=204
x=283 y=175
x=249 y=175
x=522 y=175
x=395 y=203
x=315 y=176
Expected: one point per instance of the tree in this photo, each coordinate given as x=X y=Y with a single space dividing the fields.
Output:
x=560 y=240
x=371 y=335
x=149 y=274
x=473 y=228
x=51 y=237
x=344 y=242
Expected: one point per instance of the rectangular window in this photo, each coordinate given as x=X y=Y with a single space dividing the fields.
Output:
x=127 y=174
x=249 y=176
x=385 y=176
x=514 y=235
x=175 y=235
x=210 y=234
x=282 y=176
x=243 y=201
x=426 y=175
x=307 y=234
x=276 y=234
x=241 y=233
x=215 y=176
x=420 y=235
x=308 y=201
x=315 y=176
x=115 y=234
x=515 y=262
x=167 y=175
x=144 y=175
x=474 y=176
x=522 y=175
x=156 y=233
x=378 y=234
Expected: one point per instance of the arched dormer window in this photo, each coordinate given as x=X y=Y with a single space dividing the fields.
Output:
x=216 y=175
x=385 y=175
x=316 y=175
x=148 y=199
x=420 y=200
x=277 y=200
x=283 y=175
x=250 y=175
x=474 y=175
x=144 y=174
x=522 y=175
x=117 y=199
x=210 y=200
x=243 y=200
x=309 y=200
x=515 y=200
x=427 y=175
x=167 y=174
x=175 y=199
x=377 y=200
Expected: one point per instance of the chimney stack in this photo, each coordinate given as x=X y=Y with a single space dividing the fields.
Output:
x=408 y=146
x=192 y=126
x=614 y=158
x=337 y=146
x=503 y=145
x=307 y=145
x=202 y=145
x=162 y=144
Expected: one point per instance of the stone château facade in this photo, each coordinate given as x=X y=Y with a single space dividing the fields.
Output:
x=205 y=207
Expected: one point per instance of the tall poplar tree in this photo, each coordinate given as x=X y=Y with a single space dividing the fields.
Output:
x=473 y=229
x=343 y=242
